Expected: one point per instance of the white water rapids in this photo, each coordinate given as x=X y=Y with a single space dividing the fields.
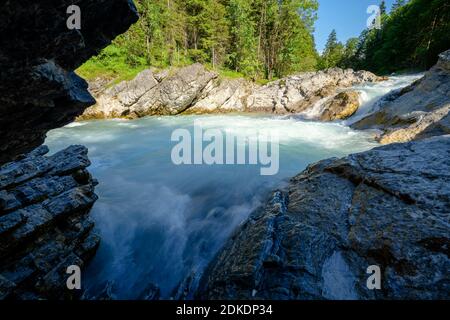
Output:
x=160 y=222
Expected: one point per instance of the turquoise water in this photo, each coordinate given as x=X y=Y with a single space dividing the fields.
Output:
x=161 y=223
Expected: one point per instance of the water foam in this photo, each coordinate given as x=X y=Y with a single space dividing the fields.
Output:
x=161 y=223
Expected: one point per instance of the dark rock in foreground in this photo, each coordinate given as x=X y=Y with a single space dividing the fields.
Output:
x=388 y=207
x=44 y=223
x=38 y=89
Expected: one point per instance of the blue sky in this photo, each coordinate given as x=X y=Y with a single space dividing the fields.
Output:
x=348 y=17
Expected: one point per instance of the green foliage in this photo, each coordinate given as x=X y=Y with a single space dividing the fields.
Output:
x=111 y=63
x=412 y=36
x=333 y=53
x=244 y=55
x=255 y=38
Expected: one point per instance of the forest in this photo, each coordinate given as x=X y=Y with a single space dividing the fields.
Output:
x=268 y=39
x=412 y=35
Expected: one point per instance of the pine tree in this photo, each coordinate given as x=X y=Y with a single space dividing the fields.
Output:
x=398 y=4
x=243 y=56
x=412 y=37
x=333 y=53
x=214 y=28
x=383 y=10
x=258 y=38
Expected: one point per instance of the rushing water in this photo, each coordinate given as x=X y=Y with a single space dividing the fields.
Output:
x=160 y=222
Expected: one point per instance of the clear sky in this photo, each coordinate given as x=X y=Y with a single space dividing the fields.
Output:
x=348 y=17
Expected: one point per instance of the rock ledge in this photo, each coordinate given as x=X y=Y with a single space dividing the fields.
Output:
x=388 y=207
x=44 y=222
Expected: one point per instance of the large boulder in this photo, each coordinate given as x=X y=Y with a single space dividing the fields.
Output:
x=297 y=93
x=44 y=223
x=115 y=101
x=388 y=207
x=416 y=112
x=195 y=90
x=340 y=107
x=175 y=93
x=169 y=92
x=38 y=89
x=224 y=95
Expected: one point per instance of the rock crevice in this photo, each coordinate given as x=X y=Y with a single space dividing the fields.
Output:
x=44 y=222
x=45 y=200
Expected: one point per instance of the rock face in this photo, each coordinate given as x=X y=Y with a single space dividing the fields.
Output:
x=418 y=111
x=194 y=90
x=176 y=93
x=116 y=102
x=38 y=90
x=388 y=207
x=44 y=222
x=341 y=107
x=150 y=94
x=45 y=201
x=298 y=93
x=223 y=95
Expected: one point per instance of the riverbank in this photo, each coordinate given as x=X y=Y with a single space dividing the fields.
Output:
x=196 y=90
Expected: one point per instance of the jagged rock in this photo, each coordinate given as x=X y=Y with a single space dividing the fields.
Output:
x=175 y=93
x=115 y=102
x=416 y=112
x=160 y=76
x=297 y=93
x=98 y=85
x=149 y=94
x=106 y=293
x=387 y=207
x=223 y=95
x=194 y=90
x=44 y=222
x=38 y=89
x=341 y=107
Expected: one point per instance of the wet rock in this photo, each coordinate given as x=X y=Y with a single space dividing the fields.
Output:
x=38 y=89
x=185 y=290
x=341 y=107
x=48 y=227
x=416 y=112
x=388 y=207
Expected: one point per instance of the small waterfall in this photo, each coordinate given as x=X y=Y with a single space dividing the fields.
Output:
x=372 y=94
x=317 y=109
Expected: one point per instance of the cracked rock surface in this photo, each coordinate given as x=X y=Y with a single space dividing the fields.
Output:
x=44 y=222
x=388 y=207
x=195 y=90
x=45 y=200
